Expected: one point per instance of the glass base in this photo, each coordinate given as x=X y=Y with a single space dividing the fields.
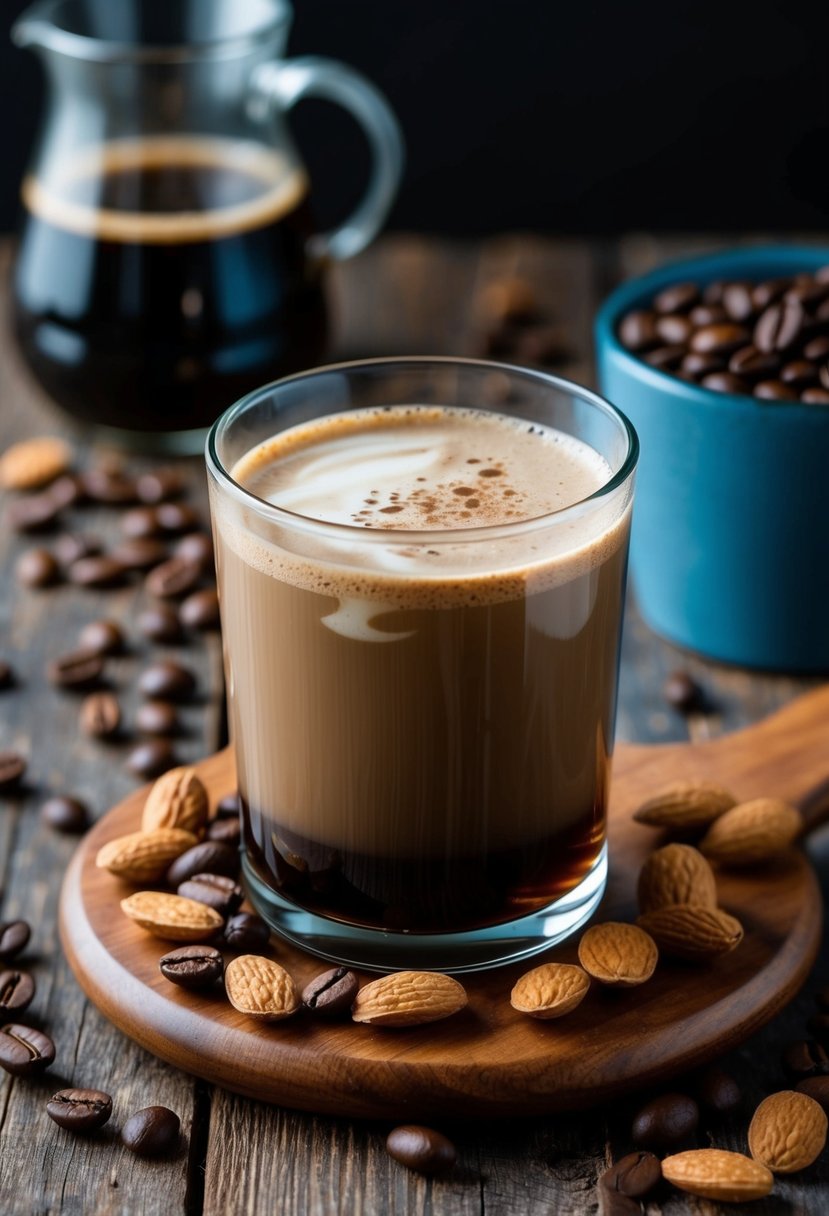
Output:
x=474 y=950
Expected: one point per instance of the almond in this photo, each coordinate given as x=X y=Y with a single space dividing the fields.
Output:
x=618 y=954
x=172 y=917
x=408 y=998
x=691 y=932
x=713 y=1173
x=33 y=463
x=550 y=991
x=752 y=832
x=677 y=874
x=261 y=988
x=144 y=857
x=685 y=806
x=788 y=1132
x=178 y=799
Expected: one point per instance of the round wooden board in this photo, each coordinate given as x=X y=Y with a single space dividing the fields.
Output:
x=490 y=1060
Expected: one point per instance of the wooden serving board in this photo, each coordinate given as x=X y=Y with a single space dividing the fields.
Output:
x=490 y=1060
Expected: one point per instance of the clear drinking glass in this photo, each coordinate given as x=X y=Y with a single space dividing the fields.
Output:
x=423 y=720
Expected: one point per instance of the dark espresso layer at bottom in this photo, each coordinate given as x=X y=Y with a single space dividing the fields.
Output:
x=422 y=895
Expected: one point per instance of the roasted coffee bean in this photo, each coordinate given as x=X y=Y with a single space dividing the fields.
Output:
x=682 y=692
x=200 y=610
x=161 y=485
x=173 y=578
x=176 y=517
x=331 y=994
x=674 y=329
x=151 y=759
x=14 y=937
x=778 y=328
x=24 y=1050
x=637 y=331
x=37 y=568
x=156 y=718
x=815 y=396
x=246 y=933
x=817 y=1088
x=7 y=676
x=724 y=382
x=139 y=553
x=160 y=624
x=767 y=292
x=219 y=893
x=666 y=358
x=140 y=522
x=543 y=345
x=96 y=572
x=774 y=390
x=195 y=547
x=70 y=547
x=806 y=1059
x=707 y=314
x=717 y=1090
x=152 y=1132
x=101 y=637
x=817 y=349
x=228 y=806
x=666 y=1121
x=67 y=491
x=226 y=831
x=109 y=487
x=750 y=362
x=79 y=669
x=818 y=1026
x=209 y=857
x=421 y=1149
x=738 y=302
x=800 y=373
x=702 y=365
x=823 y=374
x=167 y=680
x=809 y=292
x=679 y=297
x=634 y=1175
x=100 y=715
x=720 y=339
x=65 y=814
x=192 y=967
x=79 y=1110
x=12 y=768
x=34 y=513
x=17 y=990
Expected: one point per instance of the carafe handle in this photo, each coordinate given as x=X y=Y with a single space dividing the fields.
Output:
x=288 y=82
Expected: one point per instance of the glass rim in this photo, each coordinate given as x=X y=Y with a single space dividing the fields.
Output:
x=359 y=534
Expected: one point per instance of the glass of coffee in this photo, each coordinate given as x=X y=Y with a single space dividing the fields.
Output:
x=421 y=570
x=168 y=262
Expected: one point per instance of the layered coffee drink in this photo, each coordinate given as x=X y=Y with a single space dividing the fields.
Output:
x=421 y=609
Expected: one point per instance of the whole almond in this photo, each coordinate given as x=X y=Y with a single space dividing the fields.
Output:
x=685 y=806
x=752 y=832
x=714 y=1173
x=788 y=1132
x=144 y=856
x=408 y=998
x=261 y=988
x=676 y=874
x=178 y=799
x=692 y=933
x=33 y=463
x=550 y=991
x=172 y=917
x=618 y=954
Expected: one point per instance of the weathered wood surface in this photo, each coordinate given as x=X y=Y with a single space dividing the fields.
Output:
x=405 y=295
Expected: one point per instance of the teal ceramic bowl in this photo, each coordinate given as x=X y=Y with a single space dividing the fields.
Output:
x=730 y=542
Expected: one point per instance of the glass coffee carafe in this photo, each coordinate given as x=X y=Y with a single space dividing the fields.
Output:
x=168 y=262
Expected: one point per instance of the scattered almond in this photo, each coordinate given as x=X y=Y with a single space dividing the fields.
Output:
x=178 y=799
x=144 y=856
x=752 y=832
x=172 y=917
x=686 y=806
x=261 y=988
x=618 y=954
x=676 y=874
x=713 y=1173
x=550 y=991
x=33 y=463
x=788 y=1132
x=408 y=998
x=690 y=932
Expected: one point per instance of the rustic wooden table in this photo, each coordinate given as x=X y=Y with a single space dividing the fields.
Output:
x=406 y=295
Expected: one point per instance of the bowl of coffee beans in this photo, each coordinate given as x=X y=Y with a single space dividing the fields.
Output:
x=722 y=364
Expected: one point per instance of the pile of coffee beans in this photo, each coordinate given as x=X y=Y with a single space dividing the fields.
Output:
x=769 y=339
x=516 y=328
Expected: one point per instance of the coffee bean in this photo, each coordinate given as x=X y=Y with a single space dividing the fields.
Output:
x=800 y=373
x=109 y=487
x=7 y=676
x=37 y=568
x=156 y=718
x=725 y=382
x=219 y=893
x=816 y=1088
x=152 y=1132
x=12 y=768
x=702 y=365
x=139 y=554
x=78 y=669
x=228 y=806
x=717 y=1090
x=200 y=610
x=634 y=1175
x=682 y=692
x=421 y=1149
x=209 y=857
x=674 y=329
x=79 y=1110
x=817 y=349
x=823 y=374
x=767 y=292
x=100 y=715
x=140 y=522
x=707 y=314
x=227 y=831
x=176 y=517
x=70 y=547
x=246 y=933
x=67 y=491
x=14 y=937
x=65 y=814
x=195 y=547
x=637 y=331
x=24 y=1050
x=192 y=967
x=679 y=297
x=543 y=345
x=17 y=990
x=167 y=680
x=173 y=578
x=331 y=994
x=98 y=572
x=815 y=396
x=160 y=624
x=738 y=302
x=35 y=513
x=720 y=339
x=151 y=759
x=806 y=1059
x=774 y=390
x=809 y=292
x=101 y=637
x=778 y=328
x=666 y=1121
x=750 y=362
x=159 y=486
x=665 y=357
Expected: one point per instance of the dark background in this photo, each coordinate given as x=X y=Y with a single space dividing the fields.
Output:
x=598 y=116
